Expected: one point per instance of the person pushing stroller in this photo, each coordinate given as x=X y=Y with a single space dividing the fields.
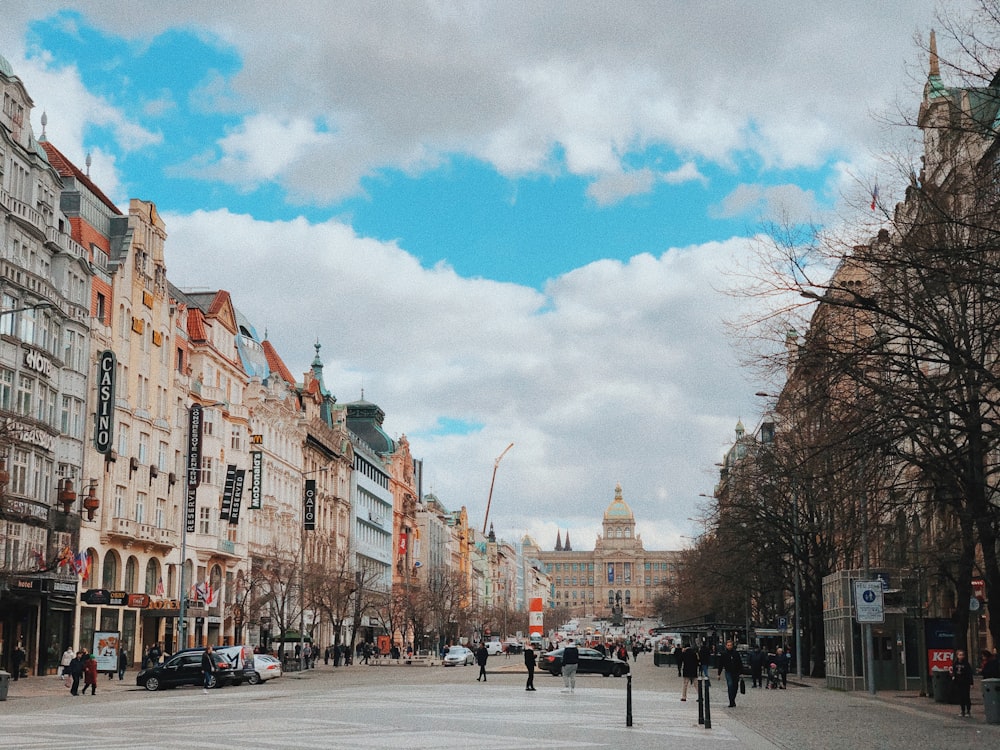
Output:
x=773 y=676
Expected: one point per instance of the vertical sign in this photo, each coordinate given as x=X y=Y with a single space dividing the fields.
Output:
x=535 y=617
x=234 y=511
x=227 y=492
x=104 y=426
x=309 y=506
x=256 y=476
x=193 y=465
x=611 y=572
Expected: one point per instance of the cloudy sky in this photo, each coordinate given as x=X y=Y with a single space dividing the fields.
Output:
x=507 y=222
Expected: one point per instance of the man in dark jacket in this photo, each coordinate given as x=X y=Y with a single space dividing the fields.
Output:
x=75 y=671
x=529 y=662
x=729 y=662
x=689 y=669
x=570 y=663
x=679 y=657
x=783 y=662
x=481 y=656
x=207 y=667
x=757 y=659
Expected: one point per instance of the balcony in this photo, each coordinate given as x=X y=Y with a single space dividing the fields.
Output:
x=227 y=547
x=127 y=532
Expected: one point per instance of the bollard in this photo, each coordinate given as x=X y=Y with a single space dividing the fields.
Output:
x=708 y=704
x=628 y=702
x=701 y=706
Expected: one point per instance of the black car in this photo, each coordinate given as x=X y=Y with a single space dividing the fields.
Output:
x=184 y=668
x=591 y=662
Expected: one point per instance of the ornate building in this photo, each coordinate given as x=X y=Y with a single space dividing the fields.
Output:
x=618 y=578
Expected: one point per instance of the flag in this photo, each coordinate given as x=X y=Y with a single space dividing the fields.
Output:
x=874 y=196
x=205 y=593
x=159 y=587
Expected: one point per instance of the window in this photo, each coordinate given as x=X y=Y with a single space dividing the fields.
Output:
x=161 y=456
x=140 y=507
x=207 y=470
x=7 y=321
x=143 y=448
x=119 y=501
x=6 y=388
x=100 y=309
x=237 y=438
x=25 y=390
x=204 y=520
x=123 y=439
x=19 y=472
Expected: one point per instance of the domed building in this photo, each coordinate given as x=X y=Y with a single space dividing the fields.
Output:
x=618 y=579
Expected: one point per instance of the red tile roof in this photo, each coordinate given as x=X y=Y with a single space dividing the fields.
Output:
x=276 y=364
x=68 y=169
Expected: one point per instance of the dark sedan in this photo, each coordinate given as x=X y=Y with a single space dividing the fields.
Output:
x=184 y=668
x=591 y=662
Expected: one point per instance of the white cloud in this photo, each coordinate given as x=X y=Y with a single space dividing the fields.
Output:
x=598 y=380
x=615 y=187
x=760 y=203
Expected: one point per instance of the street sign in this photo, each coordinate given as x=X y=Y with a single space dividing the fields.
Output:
x=782 y=623
x=869 y=605
x=96 y=596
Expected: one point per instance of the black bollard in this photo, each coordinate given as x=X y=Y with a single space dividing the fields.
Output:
x=628 y=702
x=708 y=704
x=701 y=706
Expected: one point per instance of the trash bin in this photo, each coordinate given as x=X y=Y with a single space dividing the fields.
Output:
x=5 y=683
x=991 y=700
x=941 y=683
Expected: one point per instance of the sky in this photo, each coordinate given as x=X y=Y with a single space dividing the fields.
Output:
x=504 y=222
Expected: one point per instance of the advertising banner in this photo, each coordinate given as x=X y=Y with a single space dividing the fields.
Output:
x=106 y=645
x=234 y=511
x=227 y=492
x=256 y=477
x=309 y=506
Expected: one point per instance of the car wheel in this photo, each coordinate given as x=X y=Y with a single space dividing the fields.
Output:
x=213 y=681
x=619 y=671
x=152 y=683
x=254 y=679
x=556 y=672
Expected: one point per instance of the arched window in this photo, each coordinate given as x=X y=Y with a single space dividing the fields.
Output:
x=152 y=576
x=628 y=533
x=131 y=581
x=109 y=575
x=611 y=598
x=618 y=532
x=628 y=596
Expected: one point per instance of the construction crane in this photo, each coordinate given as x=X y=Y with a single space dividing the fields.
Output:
x=492 y=481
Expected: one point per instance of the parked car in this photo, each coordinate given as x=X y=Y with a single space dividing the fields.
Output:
x=458 y=655
x=512 y=646
x=591 y=662
x=184 y=668
x=494 y=647
x=265 y=667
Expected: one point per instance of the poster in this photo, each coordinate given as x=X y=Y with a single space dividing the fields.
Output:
x=106 y=645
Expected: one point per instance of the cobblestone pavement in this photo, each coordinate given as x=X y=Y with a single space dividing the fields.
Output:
x=431 y=708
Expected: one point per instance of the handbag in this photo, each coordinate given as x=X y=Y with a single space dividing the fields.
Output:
x=743 y=686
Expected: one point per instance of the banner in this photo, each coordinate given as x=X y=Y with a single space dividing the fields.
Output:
x=106 y=645
x=191 y=509
x=227 y=492
x=194 y=446
x=234 y=511
x=256 y=477
x=309 y=506
x=611 y=572
x=104 y=425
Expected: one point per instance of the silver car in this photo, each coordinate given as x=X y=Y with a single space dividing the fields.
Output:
x=266 y=667
x=459 y=655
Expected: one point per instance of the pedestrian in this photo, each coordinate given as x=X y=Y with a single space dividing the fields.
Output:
x=689 y=669
x=67 y=657
x=991 y=665
x=600 y=648
x=207 y=668
x=570 y=663
x=679 y=657
x=122 y=663
x=481 y=656
x=705 y=654
x=326 y=656
x=529 y=662
x=154 y=654
x=782 y=661
x=757 y=659
x=636 y=648
x=961 y=679
x=90 y=674
x=729 y=662
x=75 y=670
x=19 y=658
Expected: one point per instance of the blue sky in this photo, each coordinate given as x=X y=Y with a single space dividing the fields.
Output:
x=507 y=222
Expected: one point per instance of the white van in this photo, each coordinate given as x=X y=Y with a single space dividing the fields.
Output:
x=494 y=646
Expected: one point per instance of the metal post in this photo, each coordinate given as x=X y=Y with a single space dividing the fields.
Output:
x=302 y=598
x=866 y=561
x=798 y=589
x=708 y=704
x=701 y=705
x=628 y=702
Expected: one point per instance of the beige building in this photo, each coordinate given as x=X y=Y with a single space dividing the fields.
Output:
x=618 y=573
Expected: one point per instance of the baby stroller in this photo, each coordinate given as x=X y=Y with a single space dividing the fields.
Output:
x=773 y=678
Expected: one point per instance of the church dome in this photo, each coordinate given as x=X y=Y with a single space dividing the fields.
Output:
x=619 y=508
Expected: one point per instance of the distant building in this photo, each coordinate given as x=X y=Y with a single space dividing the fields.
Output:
x=618 y=577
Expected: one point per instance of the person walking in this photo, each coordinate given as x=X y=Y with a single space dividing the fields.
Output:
x=90 y=674
x=783 y=662
x=757 y=659
x=729 y=662
x=481 y=656
x=991 y=665
x=961 y=678
x=705 y=654
x=154 y=654
x=18 y=658
x=207 y=668
x=67 y=657
x=529 y=662
x=75 y=671
x=122 y=663
x=689 y=669
x=570 y=663
x=679 y=658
